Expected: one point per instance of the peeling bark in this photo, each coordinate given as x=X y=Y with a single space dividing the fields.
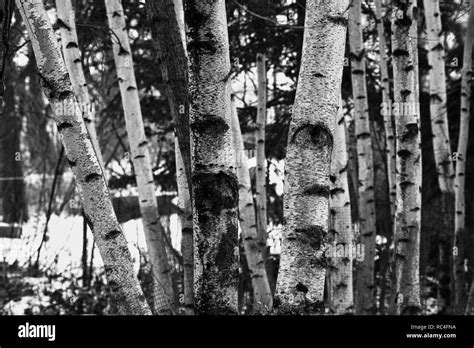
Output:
x=57 y=87
x=460 y=179
x=300 y=283
x=408 y=212
x=365 y=279
x=341 y=300
x=215 y=185
x=154 y=232
x=262 y=295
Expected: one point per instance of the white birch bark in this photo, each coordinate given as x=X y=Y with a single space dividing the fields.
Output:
x=461 y=156
x=441 y=142
x=408 y=213
x=154 y=232
x=72 y=58
x=365 y=279
x=261 y=166
x=81 y=157
x=215 y=185
x=262 y=295
x=438 y=96
x=341 y=299
x=300 y=284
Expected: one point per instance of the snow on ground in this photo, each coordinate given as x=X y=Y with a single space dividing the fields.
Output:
x=62 y=251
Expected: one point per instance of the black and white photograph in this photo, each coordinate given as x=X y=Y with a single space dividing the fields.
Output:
x=242 y=162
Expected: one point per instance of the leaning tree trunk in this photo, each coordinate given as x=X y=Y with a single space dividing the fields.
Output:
x=262 y=295
x=408 y=213
x=215 y=185
x=261 y=166
x=171 y=53
x=302 y=272
x=80 y=154
x=365 y=279
x=341 y=300
x=72 y=57
x=460 y=180
x=441 y=146
x=154 y=232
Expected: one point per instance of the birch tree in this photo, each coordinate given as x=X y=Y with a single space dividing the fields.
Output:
x=262 y=295
x=215 y=185
x=80 y=154
x=171 y=54
x=461 y=156
x=387 y=114
x=441 y=141
x=261 y=167
x=341 y=237
x=365 y=286
x=72 y=58
x=169 y=38
x=154 y=232
x=408 y=212
x=300 y=283
x=184 y=191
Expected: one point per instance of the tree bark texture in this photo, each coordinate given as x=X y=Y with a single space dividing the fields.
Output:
x=72 y=58
x=262 y=295
x=388 y=119
x=300 y=284
x=461 y=156
x=341 y=297
x=261 y=169
x=408 y=213
x=214 y=181
x=154 y=232
x=365 y=286
x=80 y=154
x=171 y=55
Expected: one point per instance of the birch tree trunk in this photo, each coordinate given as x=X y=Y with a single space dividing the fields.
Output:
x=261 y=168
x=262 y=295
x=386 y=100
x=300 y=283
x=441 y=142
x=460 y=179
x=340 y=259
x=215 y=185
x=385 y=268
x=184 y=193
x=365 y=286
x=186 y=218
x=81 y=157
x=408 y=213
x=72 y=58
x=167 y=26
x=154 y=232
